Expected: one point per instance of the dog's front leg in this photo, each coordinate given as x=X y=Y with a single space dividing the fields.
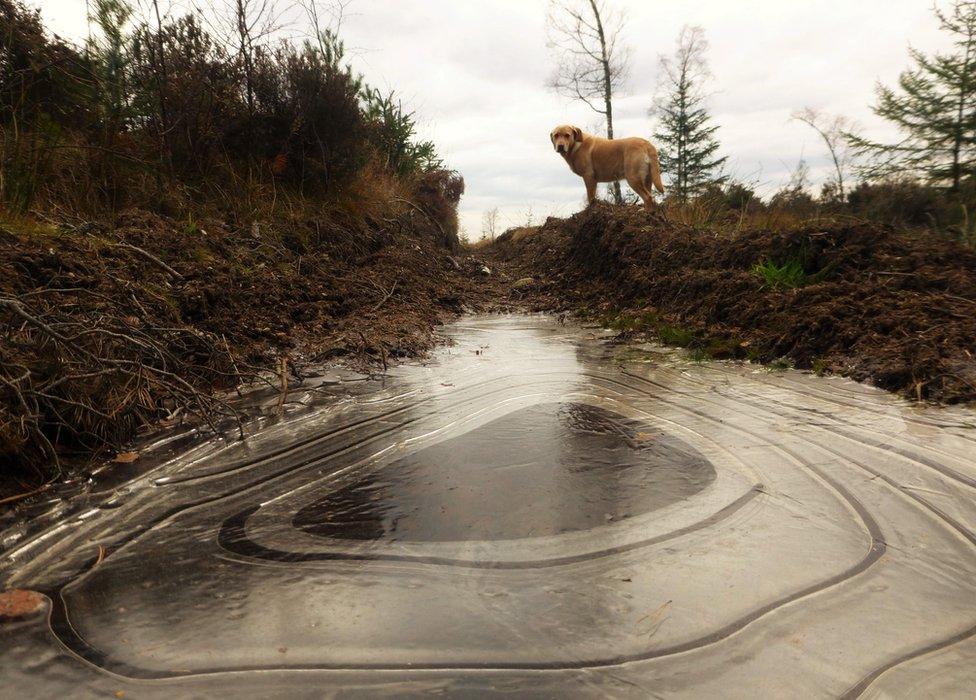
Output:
x=590 y=189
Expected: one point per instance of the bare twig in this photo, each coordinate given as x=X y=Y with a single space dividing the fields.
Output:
x=28 y=494
x=152 y=258
x=387 y=296
x=99 y=376
x=283 y=375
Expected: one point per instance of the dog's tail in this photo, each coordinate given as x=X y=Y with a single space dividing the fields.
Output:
x=656 y=170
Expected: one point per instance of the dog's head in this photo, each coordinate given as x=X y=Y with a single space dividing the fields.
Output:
x=564 y=137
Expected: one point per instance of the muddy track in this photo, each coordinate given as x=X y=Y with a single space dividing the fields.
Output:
x=890 y=307
x=110 y=329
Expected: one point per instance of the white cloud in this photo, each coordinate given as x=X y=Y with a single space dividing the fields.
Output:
x=475 y=73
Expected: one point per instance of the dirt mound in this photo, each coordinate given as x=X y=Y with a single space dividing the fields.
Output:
x=872 y=303
x=105 y=328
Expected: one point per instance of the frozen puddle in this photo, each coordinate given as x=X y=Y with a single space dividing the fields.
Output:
x=533 y=513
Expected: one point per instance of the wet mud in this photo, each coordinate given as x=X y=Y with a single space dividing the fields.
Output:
x=534 y=512
x=891 y=307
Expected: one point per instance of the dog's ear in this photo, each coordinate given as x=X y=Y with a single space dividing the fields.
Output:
x=552 y=137
x=577 y=133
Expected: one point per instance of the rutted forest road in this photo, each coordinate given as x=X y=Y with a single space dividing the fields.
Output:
x=272 y=427
x=538 y=508
x=535 y=511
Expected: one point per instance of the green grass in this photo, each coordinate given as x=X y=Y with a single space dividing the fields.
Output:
x=647 y=322
x=191 y=228
x=780 y=364
x=631 y=322
x=675 y=335
x=27 y=227
x=699 y=356
x=789 y=275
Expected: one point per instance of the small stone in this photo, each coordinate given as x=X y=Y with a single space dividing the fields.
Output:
x=17 y=603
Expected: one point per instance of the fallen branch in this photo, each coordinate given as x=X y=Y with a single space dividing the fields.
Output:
x=152 y=258
x=87 y=380
x=144 y=253
x=388 y=295
x=283 y=374
x=28 y=494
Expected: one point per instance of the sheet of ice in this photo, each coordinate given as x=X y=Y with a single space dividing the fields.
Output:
x=533 y=512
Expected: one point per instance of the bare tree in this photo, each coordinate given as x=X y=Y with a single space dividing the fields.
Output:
x=585 y=36
x=250 y=20
x=242 y=26
x=799 y=176
x=833 y=131
x=325 y=19
x=489 y=224
x=149 y=35
x=794 y=196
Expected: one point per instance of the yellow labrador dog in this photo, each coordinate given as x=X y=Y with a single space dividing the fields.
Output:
x=597 y=159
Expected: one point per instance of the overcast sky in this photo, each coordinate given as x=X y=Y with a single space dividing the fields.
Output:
x=475 y=73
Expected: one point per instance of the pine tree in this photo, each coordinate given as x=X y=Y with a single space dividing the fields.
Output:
x=114 y=58
x=934 y=107
x=685 y=136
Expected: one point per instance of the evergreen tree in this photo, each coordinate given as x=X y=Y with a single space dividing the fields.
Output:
x=113 y=56
x=934 y=107
x=685 y=136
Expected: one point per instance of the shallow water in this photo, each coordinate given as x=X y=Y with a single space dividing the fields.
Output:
x=535 y=513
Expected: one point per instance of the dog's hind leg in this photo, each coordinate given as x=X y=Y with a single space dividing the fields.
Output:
x=640 y=179
x=637 y=184
x=654 y=171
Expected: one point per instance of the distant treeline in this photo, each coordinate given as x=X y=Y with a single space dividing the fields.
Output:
x=895 y=201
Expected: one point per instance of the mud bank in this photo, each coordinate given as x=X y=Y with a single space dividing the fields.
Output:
x=110 y=327
x=897 y=309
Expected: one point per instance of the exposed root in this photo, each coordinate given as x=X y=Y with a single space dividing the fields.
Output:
x=85 y=381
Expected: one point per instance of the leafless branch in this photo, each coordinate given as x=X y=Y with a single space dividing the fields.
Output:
x=591 y=61
x=833 y=131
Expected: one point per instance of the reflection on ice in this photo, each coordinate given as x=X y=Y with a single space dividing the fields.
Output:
x=551 y=468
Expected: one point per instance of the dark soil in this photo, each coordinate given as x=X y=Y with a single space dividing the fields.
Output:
x=108 y=328
x=876 y=304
